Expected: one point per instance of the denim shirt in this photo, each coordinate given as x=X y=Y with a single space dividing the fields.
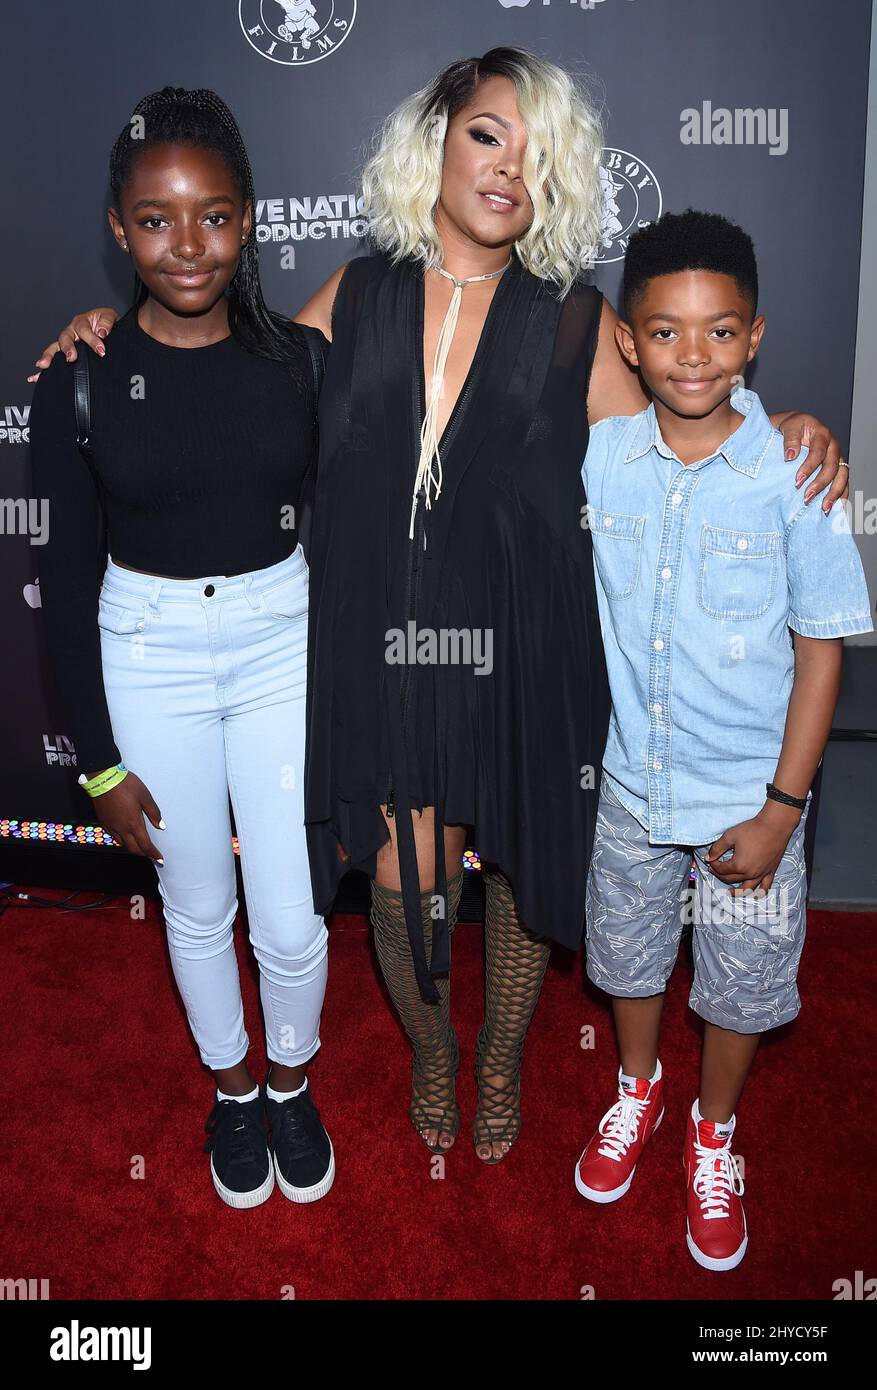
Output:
x=701 y=572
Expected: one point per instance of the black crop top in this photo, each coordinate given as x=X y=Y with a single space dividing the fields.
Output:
x=200 y=455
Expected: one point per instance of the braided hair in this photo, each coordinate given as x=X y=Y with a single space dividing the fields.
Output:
x=179 y=116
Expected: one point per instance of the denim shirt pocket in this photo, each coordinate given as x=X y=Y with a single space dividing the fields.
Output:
x=738 y=572
x=617 y=541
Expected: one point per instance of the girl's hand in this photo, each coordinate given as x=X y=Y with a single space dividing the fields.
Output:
x=89 y=328
x=825 y=454
x=121 y=811
x=758 y=846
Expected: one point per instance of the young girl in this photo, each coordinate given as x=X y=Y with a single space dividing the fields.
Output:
x=468 y=352
x=183 y=666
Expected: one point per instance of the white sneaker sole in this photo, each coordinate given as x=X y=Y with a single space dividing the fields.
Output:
x=707 y=1262
x=243 y=1199
x=307 y=1194
x=592 y=1194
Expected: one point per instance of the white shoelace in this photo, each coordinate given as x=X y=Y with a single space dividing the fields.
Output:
x=715 y=1178
x=620 y=1126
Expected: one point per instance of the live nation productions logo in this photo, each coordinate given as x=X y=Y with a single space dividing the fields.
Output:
x=295 y=32
x=631 y=199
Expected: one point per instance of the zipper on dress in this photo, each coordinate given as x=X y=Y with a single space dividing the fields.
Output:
x=418 y=544
x=417 y=548
x=453 y=422
x=418 y=405
x=412 y=588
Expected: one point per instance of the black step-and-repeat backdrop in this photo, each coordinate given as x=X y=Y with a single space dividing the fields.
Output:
x=751 y=109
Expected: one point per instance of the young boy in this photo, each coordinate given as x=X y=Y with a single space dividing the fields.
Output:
x=706 y=557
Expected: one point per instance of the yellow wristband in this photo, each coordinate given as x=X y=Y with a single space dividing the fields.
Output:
x=103 y=781
x=87 y=782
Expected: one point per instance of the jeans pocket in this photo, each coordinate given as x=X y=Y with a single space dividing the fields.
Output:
x=286 y=600
x=121 y=615
x=617 y=541
x=738 y=572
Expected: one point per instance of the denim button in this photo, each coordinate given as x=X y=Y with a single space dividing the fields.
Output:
x=209 y=591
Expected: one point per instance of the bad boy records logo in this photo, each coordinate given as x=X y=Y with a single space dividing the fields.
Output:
x=295 y=32
x=631 y=199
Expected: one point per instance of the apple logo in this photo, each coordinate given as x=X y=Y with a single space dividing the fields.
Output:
x=509 y=4
x=32 y=595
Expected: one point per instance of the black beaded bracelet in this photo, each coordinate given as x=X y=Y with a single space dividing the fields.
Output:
x=774 y=794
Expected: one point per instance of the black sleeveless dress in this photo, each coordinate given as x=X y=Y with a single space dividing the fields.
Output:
x=514 y=751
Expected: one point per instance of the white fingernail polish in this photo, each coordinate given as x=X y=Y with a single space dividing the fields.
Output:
x=161 y=825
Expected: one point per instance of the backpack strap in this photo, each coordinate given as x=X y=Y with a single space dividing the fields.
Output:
x=317 y=350
x=82 y=403
x=82 y=408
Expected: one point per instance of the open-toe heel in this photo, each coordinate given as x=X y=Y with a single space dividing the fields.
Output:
x=496 y=1120
x=428 y=1024
x=515 y=964
x=435 y=1074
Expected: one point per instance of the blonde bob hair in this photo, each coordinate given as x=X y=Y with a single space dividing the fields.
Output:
x=402 y=178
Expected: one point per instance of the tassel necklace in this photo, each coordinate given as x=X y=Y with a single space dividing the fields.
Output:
x=428 y=478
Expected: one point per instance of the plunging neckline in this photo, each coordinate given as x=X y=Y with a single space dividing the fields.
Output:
x=420 y=375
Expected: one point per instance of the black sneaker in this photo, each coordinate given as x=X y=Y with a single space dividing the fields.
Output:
x=304 y=1159
x=240 y=1162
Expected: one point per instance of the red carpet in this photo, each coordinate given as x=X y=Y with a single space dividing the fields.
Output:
x=91 y=1012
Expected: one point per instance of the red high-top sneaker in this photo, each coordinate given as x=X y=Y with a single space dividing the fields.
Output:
x=606 y=1168
x=716 y=1229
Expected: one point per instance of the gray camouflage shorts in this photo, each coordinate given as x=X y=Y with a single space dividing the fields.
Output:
x=746 y=950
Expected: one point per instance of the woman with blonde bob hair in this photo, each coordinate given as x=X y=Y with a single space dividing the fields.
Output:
x=403 y=179
x=457 y=679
